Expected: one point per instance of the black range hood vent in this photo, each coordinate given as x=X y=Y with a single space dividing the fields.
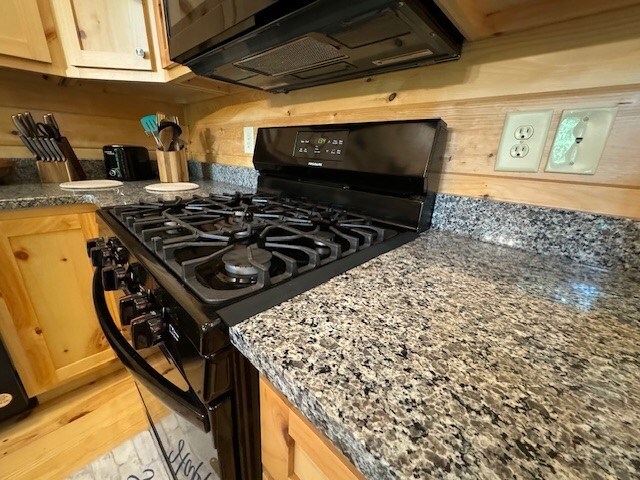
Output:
x=286 y=45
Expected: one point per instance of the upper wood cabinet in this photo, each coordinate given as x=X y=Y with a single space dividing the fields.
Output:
x=22 y=31
x=104 y=33
x=47 y=318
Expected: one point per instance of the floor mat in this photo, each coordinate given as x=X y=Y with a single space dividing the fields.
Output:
x=135 y=459
x=190 y=451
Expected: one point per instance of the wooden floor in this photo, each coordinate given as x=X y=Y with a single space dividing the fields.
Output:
x=64 y=434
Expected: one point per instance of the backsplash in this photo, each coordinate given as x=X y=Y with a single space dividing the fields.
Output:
x=243 y=176
x=25 y=171
x=591 y=239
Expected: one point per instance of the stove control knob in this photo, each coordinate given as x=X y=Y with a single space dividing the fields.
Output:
x=132 y=306
x=93 y=243
x=136 y=273
x=146 y=330
x=100 y=256
x=120 y=254
x=98 y=252
x=112 y=276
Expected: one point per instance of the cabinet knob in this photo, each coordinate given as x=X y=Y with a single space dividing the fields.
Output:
x=140 y=52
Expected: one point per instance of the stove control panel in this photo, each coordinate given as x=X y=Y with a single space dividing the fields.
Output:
x=138 y=308
x=330 y=145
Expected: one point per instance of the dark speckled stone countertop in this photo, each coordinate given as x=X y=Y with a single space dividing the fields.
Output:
x=43 y=195
x=453 y=358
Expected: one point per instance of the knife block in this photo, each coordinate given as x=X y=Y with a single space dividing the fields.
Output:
x=65 y=171
x=55 y=172
x=172 y=166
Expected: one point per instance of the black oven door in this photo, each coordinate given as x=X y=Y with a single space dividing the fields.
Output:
x=195 y=438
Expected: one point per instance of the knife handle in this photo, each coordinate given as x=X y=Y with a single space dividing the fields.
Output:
x=50 y=120
x=56 y=149
x=31 y=123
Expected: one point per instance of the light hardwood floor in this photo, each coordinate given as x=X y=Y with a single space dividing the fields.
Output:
x=62 y=435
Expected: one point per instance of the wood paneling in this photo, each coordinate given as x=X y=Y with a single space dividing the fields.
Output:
x=484 y=18
x=90 y=114
x=591 y=61
x=63 y=435
x=292 y=448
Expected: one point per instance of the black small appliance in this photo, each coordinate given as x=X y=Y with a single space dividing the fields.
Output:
x=329 y=197
x=13 y=398
x=127 y=162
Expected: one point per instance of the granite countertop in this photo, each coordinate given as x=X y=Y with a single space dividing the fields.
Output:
x=449 y=357
x=453 y=358
x=43 y=195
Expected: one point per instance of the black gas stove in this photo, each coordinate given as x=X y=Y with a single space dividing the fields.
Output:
x=329 y=198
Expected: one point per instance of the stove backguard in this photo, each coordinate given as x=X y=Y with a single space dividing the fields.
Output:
x=380 y=169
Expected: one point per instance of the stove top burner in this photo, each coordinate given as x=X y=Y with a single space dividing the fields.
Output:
x=246 y=260
x=226 y=246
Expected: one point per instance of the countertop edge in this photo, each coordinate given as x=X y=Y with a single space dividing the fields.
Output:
x=303 y=400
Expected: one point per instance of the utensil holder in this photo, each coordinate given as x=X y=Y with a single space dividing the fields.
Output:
x=172 y=166
x=67 y=170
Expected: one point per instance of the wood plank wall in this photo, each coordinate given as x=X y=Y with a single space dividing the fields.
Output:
x=587 y=62
x=90 y=114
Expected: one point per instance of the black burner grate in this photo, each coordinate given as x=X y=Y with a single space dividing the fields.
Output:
x=228 y=246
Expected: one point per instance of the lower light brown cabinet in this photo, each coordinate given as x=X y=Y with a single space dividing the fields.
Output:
x=47 y=319
x=292 y=448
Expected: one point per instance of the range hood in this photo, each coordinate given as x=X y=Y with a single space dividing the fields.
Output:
x=283 y=45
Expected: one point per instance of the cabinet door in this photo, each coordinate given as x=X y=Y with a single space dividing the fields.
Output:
x=104 y=33
x=292 y=449
x=47 y=317
x=21 y=31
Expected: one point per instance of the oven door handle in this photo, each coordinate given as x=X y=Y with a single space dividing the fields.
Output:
x=186 y=404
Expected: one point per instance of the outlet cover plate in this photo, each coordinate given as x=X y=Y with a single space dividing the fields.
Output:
x=591 y=126
x=248 y=139
x=540 y=120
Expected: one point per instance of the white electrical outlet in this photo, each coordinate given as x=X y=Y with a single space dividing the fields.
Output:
x=249 y=139
x=580 y=140
x=523 y=137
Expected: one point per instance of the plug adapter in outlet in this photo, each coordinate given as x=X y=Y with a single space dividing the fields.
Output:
x=523 y=137
x=580 y=140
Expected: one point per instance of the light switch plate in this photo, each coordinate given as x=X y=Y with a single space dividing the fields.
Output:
x=523 y=138
x=580 y=140
x=248 y=139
